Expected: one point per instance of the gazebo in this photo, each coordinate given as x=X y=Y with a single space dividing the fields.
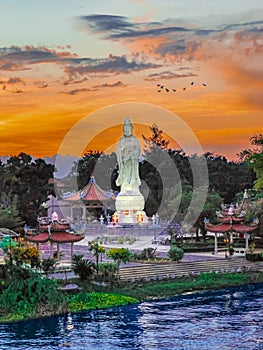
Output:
x=231 y=221
x=54 y=231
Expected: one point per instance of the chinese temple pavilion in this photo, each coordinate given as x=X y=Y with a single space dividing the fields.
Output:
x=91 y=200
x=231 y=223
x=54 y=231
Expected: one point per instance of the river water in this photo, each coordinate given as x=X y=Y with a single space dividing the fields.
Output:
x=211 y=320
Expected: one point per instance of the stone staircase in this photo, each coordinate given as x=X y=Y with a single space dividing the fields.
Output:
x=164 y=271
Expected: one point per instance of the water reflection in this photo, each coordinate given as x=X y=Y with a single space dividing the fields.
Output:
x=225 y=319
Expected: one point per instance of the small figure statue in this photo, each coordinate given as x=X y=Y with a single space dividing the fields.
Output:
x=128 y=152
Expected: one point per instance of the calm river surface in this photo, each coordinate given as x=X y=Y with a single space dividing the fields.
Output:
x=225 y=319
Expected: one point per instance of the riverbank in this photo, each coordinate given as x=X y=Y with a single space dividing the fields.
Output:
x=168 y=288
x=105 y=295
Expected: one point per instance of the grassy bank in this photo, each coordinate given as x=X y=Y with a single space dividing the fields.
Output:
x=98 y=296
x=162 y=289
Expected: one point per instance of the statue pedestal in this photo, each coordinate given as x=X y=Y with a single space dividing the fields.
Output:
x=130 y=208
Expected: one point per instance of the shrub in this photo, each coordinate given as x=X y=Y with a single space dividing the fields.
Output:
x=48 y=266
x=107 y=270
x=146 y=254
x=84 y=268
x=175 y=253
x=32 y=295
x=254 y=257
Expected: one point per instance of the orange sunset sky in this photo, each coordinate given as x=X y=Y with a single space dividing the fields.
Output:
x=71 y=71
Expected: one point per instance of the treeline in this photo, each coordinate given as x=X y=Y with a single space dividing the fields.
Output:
x=169 y=178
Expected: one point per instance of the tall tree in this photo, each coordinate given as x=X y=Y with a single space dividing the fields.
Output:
x=26 y=183
x=255 y=157
x=156 y=139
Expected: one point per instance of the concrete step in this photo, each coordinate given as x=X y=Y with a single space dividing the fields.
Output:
x=175 y=270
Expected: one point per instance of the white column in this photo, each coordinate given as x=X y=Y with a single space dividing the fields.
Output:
x=246 y=236
x=215 y=251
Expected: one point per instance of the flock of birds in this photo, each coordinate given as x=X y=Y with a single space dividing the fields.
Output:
x=166 y=89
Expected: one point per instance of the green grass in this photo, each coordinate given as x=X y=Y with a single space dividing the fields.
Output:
x=156 y=290
x=90 y=301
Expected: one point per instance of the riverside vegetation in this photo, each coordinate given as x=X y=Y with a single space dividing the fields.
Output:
x=26 y=293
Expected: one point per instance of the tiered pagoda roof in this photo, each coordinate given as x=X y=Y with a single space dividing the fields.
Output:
x=56 y=231
x=231 y=219
x=91 y=192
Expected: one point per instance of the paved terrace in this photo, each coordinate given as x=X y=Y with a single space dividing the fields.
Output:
x=191 y=264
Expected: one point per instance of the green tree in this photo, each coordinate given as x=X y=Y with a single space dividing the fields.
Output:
x=228 y=178
x=86 y=166
x=9 y=218
x=156 y=140
x=97 y=250
x=212 y=204
x=48 y=266
x=255 y=157
x=26 y=183
x=175 y=253
x=119 y=255
x=84 y=268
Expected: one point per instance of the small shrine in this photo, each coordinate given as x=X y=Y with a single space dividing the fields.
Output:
x=54 y=231
x=231 y=224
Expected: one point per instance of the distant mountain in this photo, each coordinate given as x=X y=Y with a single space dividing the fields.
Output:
x=63 y=163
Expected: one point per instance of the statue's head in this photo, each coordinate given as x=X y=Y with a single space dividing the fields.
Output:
x=127 y=127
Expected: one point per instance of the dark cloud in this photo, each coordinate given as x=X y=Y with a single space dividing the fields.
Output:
x=104 y=23
x=112 y=64
x=77 y=91
x=168 y=75
x=255 y=25
x=71 y=81
x=40 y=84
x=74 y=66
x=15 y=80
x=119 y=27
x=176 y=40
x=18 y=58
x=18 y=91
x=107 y=85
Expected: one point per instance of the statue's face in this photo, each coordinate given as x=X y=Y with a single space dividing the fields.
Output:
x=127 y=130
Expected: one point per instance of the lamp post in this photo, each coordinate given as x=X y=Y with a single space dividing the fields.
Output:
x=226 y=241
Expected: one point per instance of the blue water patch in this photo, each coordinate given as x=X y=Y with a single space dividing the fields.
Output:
x=215 y=320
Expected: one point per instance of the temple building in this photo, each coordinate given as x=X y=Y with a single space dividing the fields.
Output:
x=87 y=204
x=231 y=224
x=90 y=202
